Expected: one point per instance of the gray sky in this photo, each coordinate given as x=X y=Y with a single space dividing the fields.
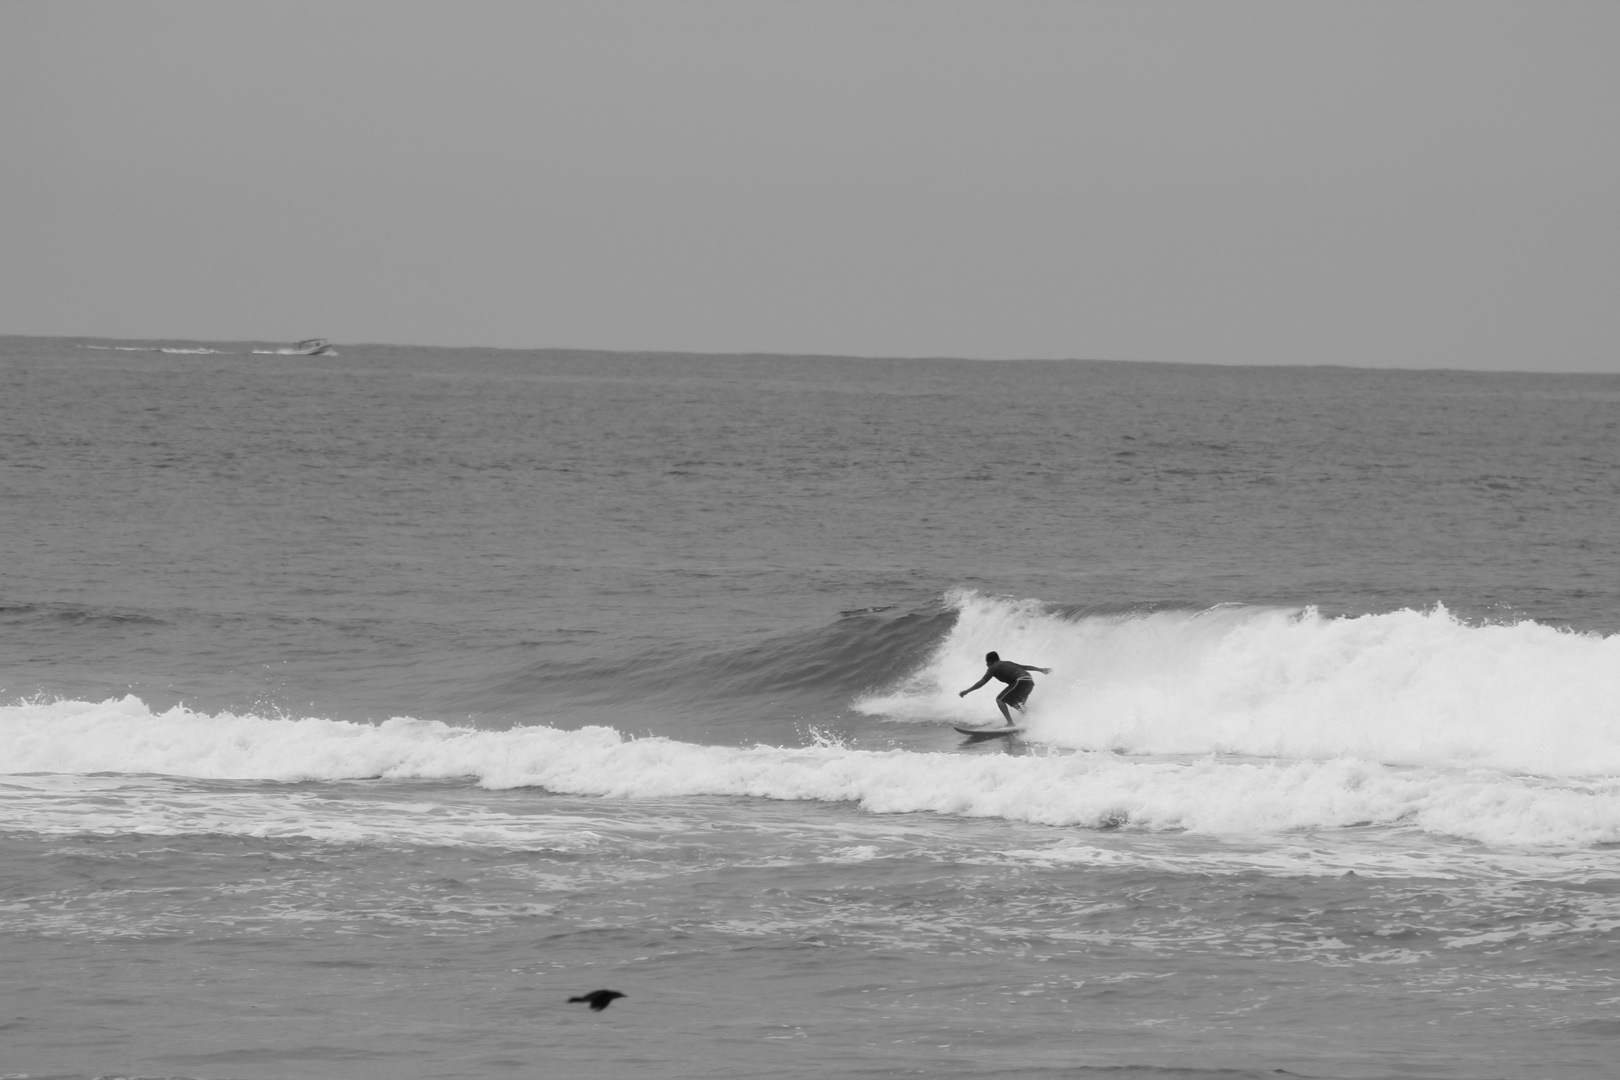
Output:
x=1411 y=184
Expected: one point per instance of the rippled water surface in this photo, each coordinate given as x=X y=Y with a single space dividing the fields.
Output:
x=357 y=711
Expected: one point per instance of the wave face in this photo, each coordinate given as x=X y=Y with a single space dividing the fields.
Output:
x=750 y=692
x=1418 y=688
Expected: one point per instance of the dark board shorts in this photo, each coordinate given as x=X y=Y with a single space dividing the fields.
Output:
x=1015 y=694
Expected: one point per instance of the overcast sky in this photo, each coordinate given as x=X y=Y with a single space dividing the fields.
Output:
x=1425 y=183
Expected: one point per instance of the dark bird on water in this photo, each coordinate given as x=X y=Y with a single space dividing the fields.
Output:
x=598 y=999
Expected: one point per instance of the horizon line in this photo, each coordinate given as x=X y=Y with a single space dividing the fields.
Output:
x=766 y=354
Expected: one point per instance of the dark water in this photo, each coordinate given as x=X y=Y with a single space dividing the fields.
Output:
x=358 y=710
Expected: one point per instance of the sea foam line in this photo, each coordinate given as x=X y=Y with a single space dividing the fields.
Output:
x=1206 y=795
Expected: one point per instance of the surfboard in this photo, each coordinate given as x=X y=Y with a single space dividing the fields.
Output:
x=989 y=731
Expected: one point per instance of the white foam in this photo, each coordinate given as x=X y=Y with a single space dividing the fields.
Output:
x=1404 y=688
x=1095 y=790
x=60 y=805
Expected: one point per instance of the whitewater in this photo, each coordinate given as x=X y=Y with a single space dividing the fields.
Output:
x=356 y=711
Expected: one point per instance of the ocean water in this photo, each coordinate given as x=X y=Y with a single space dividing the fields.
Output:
x=358 y=710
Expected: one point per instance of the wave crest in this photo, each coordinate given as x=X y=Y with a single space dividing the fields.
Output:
x=1401 y=688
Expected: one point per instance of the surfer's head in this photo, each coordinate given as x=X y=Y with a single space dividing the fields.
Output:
x=991 y=658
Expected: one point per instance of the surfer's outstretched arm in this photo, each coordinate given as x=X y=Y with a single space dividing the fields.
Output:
x=975 y=686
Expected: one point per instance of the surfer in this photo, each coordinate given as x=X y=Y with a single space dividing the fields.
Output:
x=1017 y=677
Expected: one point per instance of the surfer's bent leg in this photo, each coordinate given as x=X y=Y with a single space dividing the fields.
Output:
x=1014 y=696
